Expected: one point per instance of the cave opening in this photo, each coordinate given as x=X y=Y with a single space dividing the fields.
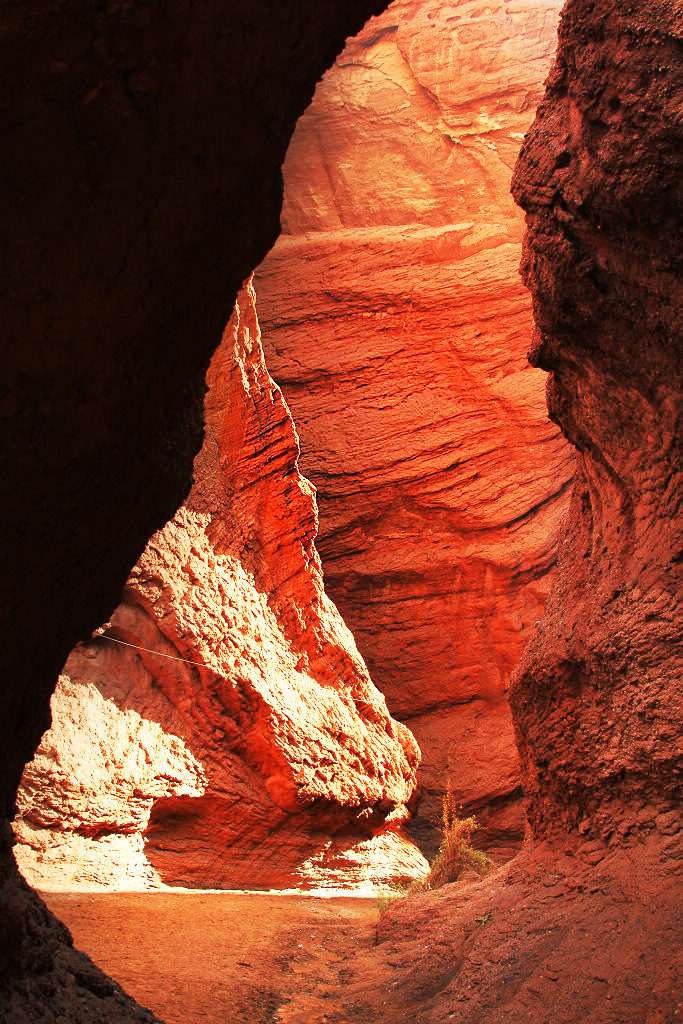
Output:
x=392 y=318
x=391 y=315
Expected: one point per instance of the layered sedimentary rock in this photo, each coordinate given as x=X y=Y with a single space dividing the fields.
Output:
x=264 y=755
x=395 y=321
x=597 y=699
x=587 y=924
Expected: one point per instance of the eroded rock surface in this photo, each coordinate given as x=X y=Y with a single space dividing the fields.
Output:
x=396 y=323
x=86 y=797
x=264 y=755
x=625 y=255
x=597 y=700
x=538 y=938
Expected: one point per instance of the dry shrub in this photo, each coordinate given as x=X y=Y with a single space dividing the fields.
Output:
x=455 y=857
x=456 y=854
x=392 y=892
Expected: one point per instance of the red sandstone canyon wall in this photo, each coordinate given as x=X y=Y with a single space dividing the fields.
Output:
x=124 y=207
x=255 y=750
x=594 y=930
x=396 y=323
x=597 y=699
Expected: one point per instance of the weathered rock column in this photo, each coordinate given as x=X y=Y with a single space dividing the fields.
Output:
x=264 y=756
x=597 y=699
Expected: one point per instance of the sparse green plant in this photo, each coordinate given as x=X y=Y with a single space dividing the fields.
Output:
x=456 y=854
x=392 y=892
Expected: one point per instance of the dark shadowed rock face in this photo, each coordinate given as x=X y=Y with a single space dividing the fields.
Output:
x=142 y=147
x=42 y=977
x=142 y=183
x=597 y=699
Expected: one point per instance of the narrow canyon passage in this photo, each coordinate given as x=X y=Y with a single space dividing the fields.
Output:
x=240 y=710
x=395 y=321
x=195 y=738
x=526 y=944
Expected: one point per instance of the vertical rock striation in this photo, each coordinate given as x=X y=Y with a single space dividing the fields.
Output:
x=597 y=699
x=268 y=757
x=395 y=321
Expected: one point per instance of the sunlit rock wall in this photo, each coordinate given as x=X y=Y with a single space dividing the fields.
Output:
x=86 y=797
x=397 y=325
x=239 y=741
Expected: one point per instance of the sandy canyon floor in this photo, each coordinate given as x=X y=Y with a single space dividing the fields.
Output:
x=576 y=934
x=209 y=958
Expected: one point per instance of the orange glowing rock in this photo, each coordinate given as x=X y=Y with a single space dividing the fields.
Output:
x=294 y=773
x=396 y=323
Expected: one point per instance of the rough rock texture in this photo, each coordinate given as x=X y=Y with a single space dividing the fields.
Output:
x=141 y=185
x=472 y=752
x=288 y=764
x=142 y=146
x=597 y=700
x=395 y=321
x=621 y=242
x=564 y=933
x=86 y=797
